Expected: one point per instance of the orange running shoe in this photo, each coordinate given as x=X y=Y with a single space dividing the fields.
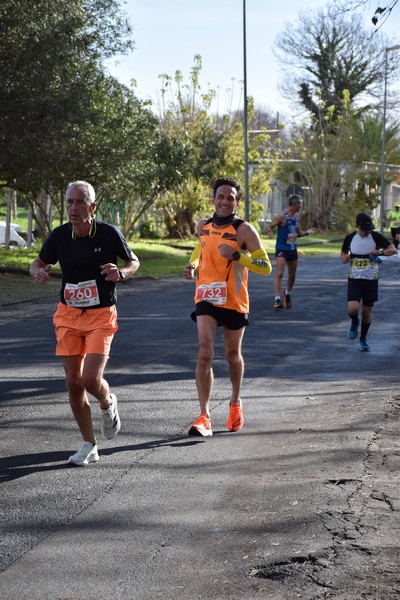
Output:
x=235 y=420
x=202 y=426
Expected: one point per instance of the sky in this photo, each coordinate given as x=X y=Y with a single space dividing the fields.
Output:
x=168 y=35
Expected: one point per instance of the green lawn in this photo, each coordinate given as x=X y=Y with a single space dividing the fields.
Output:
x=157 y=259
x=164 y=258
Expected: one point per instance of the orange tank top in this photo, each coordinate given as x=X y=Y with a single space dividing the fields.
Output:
x=222 y=282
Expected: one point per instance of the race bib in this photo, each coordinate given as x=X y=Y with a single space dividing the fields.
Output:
x=363 y=268
x=215 y=293
x=360 y=263
x=292 y=238
x=82 y=294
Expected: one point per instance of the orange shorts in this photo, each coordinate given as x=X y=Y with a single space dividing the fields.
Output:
x=81 y=332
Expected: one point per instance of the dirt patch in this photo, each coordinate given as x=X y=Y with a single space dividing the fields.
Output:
x=21 y=298
x=16 y=288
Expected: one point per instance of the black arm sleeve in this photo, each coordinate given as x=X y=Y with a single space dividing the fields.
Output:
x=347 y=242
x=380 y=240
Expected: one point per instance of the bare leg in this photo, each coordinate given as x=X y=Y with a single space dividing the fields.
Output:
x=279 y=270
x=93 y=380
x=353 y=308
x=207 y=331
x=85 y=374
x=292 y=268
x=233 y=351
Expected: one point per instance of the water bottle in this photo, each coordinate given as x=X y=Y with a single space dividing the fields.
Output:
x=375 y=258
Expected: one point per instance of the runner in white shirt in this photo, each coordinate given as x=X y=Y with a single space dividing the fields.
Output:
x=361 y=249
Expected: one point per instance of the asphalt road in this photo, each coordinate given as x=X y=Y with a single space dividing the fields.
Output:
x=302 y=503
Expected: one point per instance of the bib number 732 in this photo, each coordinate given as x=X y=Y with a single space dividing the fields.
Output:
x=215 y=293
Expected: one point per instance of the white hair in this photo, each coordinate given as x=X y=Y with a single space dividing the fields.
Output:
x=86 y=187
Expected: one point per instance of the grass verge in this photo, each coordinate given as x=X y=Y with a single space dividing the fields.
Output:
x=165 y=258
x=158 y=258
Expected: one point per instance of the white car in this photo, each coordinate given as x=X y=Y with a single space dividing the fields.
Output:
x=15 y=238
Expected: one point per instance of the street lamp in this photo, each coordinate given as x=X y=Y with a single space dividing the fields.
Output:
x=246 y=135
x=387 y=50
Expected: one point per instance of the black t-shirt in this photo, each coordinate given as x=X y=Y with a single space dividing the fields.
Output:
x=80 y=258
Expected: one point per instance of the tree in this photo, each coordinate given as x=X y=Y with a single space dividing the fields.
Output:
x=379 y=17
x=326 y=53
x=339 y=166
x=198 y=150
x=260 y=118
x=263 y=153
x=361 y=184
x=209 y=146
x=324 y=157
x=51 y=55
x=118 y=149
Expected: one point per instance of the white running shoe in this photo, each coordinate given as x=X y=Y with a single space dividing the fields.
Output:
x=111 y=422
x=86 y=454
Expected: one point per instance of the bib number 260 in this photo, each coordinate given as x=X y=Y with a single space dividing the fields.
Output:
x=82 y=294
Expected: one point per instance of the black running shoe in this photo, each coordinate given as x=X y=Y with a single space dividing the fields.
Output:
x=287 y=302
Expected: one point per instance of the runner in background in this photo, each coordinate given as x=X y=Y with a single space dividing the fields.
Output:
x=362 y=249
x=393 y=218
x=286 y=253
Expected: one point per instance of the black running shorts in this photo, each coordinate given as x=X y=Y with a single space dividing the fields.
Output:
x=226 y=317
x=287 y=254
x=362 y=289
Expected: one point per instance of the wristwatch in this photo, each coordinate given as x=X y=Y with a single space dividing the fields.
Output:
x=236 y=255
x=122 y=275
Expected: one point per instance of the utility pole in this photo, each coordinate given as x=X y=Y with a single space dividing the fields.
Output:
x=245 y=127
x=387 y=50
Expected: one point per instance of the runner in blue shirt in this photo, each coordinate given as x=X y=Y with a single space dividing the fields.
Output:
x=288 y=224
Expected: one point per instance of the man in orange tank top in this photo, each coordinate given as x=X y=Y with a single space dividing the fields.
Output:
x=228 y=248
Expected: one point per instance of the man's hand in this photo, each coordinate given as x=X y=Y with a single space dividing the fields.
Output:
x=345 y=258
x=226 y=251
x=110 y=272
x=188 y=271
x=42 y=274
